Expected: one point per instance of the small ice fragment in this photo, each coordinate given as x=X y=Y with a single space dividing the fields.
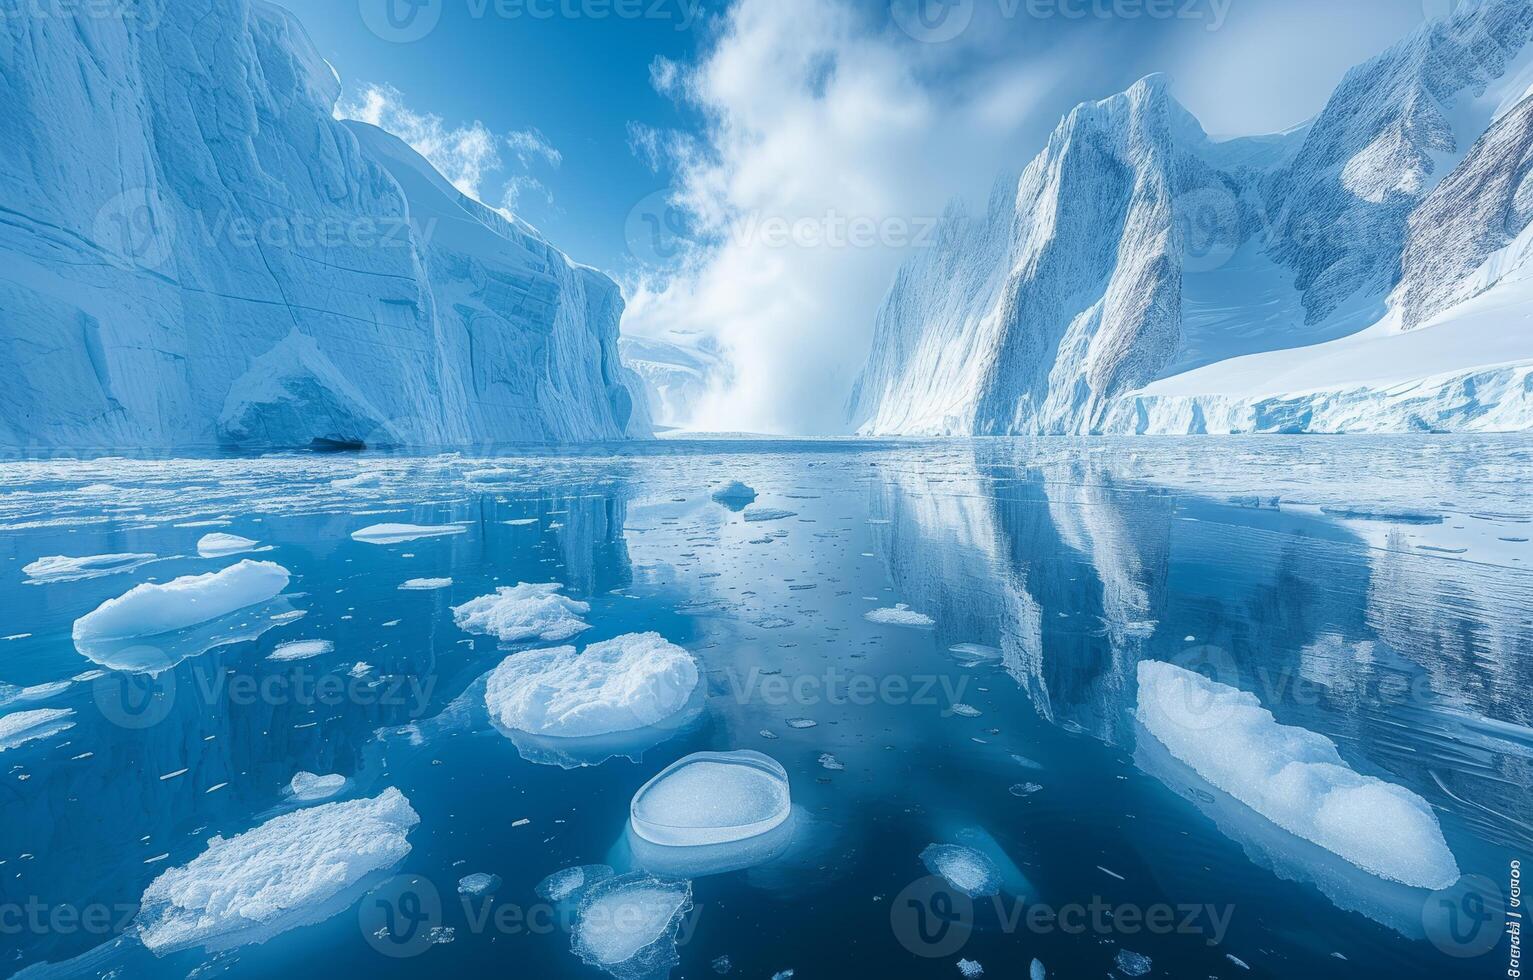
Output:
x=723 y=966
x=149 y=610
x=525 y=612
x=521 y=522
x=306 y=787
x=975 y=651
x=569 y=883
x=360 y=669
x=783 y=975
x=1132 y=964
x=970 y=969
x=712 y=798
x=400 y=533
x=900 y=615
x=758 y=515
x=624 y=684
x=29 y=726
x=426 y=584
x=224 y=545
x=1037 y=972
x=1025 y=789
x=831 y=762
x=802 y=723
x=253 y=886
x=966 y=710
x=733 y=492
x=1237 y=961
x=62 y=568
x=628 y=925
x=967 y=870
x=301 y=650
x=478 y=885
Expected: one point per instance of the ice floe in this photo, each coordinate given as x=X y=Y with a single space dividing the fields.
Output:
x=1132 y=964
x=400 y=533
x=224 y=545
x=478 y=885
x=426 y=585
x=625 y=684
x=964 y=868
x=628 y=925
x=1293 y=777
x=571 y=883
x=712 y=798
x=301 y=650
x=22 y=727
x=733 y=494
x=62 y=568
x=307 y=787
x=283 y=873
x=970 y=969
x=759 y=515
x=149 y=610
x=900 y=615
x=524 y=612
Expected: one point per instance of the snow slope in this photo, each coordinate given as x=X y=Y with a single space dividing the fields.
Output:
x=1145 y=279
x=193 y=253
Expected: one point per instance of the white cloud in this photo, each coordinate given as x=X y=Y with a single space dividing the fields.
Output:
x=530 y=146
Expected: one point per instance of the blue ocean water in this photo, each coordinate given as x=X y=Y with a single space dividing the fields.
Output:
x=1375 y=591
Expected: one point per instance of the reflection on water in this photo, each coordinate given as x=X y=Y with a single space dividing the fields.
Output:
x=1374 y=591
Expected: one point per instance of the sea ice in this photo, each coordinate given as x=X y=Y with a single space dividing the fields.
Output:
x=561 y=886
x=306 y=787
x=1293 y=777
x=622 y=685
x=29 y=726
x=276 y=876
x=149 y=610
x=224 y=545
x=900 y=615
x=62 y=568
x=712 y=798
x=966 y=869
x=627 y=925
x=426 y=585
x=301 y=650
x=478 y=885
x=400 y=533
x=525 y=612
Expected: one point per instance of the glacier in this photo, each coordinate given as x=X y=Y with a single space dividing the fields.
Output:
x=196 y=264
x=1364 y=272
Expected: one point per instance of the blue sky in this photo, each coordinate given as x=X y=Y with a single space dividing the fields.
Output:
x=760 y=109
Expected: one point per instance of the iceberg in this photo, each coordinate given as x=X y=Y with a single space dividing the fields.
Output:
x=307 y=787
x=524 y=612
x=224 y=545
x=281 y=874
x=964 y=868
x=149 y=610
x=628 y=925
x=62 y=568
x=712 y=798
x=401 y=533
x=734 y=495
x=1293 y=777
x=622 y=685
x=29 y=726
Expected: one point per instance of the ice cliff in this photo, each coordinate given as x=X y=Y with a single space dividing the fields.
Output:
x=195 y=253
x=1367 y=271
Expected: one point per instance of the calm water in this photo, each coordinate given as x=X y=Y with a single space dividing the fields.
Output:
x=1383 y=600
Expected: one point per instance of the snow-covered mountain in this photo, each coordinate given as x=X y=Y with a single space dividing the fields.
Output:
x=194 y=252
x=1364 y=272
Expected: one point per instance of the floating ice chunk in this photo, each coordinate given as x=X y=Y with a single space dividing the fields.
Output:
x=970 y=969
x=627 y=925
x=1293 y=777
x=10 y=694
x=802 y=723
x=712 y=798
x=1132 y=964
x=900 y=615
x=624 y=684
x=400 y=533
x=306 y=787
x=279 y=875
x=301 y=650
x=965 y=710
x=975 y=652
x=561 y=886
x=29 y=726
x=526 y=612
x=149 y=610
x=831 y=763
x=723 y=966
x=478 y=885
x=224 y=545
x=426 y=585
x=758 y=515
x=733 y=492
x=1037 y=972
x=61 y=568
x=967 y=870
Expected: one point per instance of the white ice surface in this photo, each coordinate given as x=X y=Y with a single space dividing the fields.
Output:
x=21 y=727
x=712 y=798
x=900 y=615
x=223 y=545
x=307 y=787
x=524 y=612
x=301 y=650
x=627 y=925
x=62 y=568
x=149 y=610
x=966 y=869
